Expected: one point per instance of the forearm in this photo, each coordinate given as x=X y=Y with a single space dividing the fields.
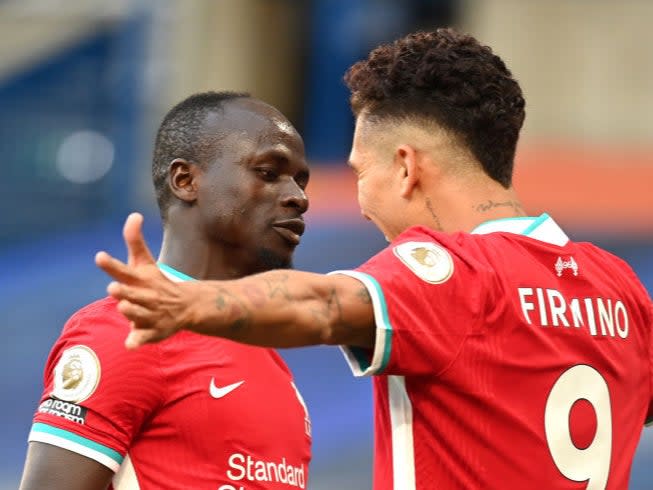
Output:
x=281 y=309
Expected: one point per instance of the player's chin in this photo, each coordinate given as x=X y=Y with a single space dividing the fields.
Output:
x=277 y=257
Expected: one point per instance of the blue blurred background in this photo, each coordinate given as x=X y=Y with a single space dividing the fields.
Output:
x=83 y=86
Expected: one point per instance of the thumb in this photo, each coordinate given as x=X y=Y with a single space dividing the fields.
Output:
x=137 y=251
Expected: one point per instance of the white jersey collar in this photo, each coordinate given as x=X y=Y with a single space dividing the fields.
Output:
x=541 y=228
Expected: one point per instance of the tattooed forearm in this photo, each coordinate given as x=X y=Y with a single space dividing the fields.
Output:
x=286 y=309
x=239 y=327
x=326 y=309
x=236 y=312
x=429 y=206
x=278 y=286
x=331 y=312
x=490 y=204
x=364 y=295
x=255 y=295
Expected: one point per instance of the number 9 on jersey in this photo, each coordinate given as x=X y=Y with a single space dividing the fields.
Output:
x=591 y=464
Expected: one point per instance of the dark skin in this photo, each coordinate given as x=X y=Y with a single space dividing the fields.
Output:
x=48 y=466
x=237 y=214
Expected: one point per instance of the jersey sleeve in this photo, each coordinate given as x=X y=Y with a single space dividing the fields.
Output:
x=427 y=299
x=97 y=394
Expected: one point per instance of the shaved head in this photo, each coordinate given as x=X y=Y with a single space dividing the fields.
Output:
x=385 y=134
x=183 y=134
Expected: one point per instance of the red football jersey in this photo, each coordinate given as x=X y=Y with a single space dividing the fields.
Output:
x=509 y=358
x=190 y=412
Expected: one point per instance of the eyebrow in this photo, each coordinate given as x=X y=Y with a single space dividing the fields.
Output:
x=275 y=153
x=282 y=158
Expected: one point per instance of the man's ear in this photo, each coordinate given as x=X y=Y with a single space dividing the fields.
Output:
x=183 y=179
x=406 y=157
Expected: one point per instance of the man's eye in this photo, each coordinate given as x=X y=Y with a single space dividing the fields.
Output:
x=267 y=174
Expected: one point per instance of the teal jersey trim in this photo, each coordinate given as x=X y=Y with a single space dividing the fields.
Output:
x=70 y=436
x=174 y=272
x=358 y=357
x=380 y=306
x=386 y=322
x=516 y=218
x=535 y=224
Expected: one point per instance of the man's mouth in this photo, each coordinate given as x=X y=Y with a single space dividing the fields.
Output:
x=290 y=230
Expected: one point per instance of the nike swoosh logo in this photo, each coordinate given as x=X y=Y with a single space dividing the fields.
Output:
x=219 y=392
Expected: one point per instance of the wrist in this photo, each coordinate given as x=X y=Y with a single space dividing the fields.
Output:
x=190 y=293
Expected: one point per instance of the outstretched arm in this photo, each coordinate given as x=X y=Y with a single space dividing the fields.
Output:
x=278 y=308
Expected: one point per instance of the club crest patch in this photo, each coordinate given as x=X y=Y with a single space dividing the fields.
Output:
x=76 y=375
x=427 y=260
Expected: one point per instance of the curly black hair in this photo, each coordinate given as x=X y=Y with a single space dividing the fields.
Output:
x=181 y=135
x=451 y=79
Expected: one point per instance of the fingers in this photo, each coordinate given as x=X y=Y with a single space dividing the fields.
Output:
x=139 y=337
x=137 y=250
x=116 y=268
x=142 y=329
x=140 y=316
x=141 y=296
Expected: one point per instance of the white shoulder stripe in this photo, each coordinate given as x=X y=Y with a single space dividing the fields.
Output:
x=403 y=447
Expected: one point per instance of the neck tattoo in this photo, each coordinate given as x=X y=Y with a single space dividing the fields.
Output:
x=429 y=206
x=489 y=205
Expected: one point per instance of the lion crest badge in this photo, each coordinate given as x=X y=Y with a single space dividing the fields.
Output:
x=427 y=260
x=76 y=375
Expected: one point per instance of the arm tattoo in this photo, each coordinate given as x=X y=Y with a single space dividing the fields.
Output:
x=364 y=295
x=236 y=312
x=239 y=326
x=490 y=204
x=278 y=285
x=429 y=206
x=331 y=308
x=321 y=315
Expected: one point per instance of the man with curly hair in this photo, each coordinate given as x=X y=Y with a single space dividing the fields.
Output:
x=504 y=354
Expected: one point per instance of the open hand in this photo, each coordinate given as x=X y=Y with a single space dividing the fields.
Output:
x=145 y=296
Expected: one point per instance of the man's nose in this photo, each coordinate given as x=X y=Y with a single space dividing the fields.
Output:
x=294 y=196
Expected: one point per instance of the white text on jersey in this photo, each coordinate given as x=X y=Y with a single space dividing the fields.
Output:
x=549 y=308
x=247 y=468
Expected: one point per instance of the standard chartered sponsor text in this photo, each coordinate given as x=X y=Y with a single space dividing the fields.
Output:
x=245 y=468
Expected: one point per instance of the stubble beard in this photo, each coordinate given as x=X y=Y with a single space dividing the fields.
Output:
x=271 y=260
